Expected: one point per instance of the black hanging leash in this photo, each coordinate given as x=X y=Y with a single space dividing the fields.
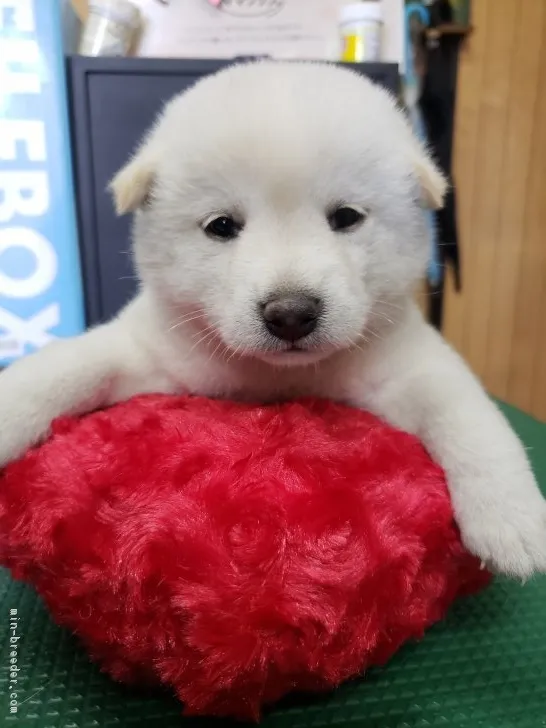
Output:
x=437 y=104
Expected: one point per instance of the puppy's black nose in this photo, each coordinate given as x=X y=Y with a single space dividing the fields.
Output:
x=291 y=316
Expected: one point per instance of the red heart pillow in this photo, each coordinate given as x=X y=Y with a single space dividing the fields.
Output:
x=235 y=552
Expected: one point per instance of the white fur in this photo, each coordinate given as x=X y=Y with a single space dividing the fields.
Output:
x=277 y=146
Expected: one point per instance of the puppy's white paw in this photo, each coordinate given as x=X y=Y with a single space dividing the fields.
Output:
x=507 y=533
x=15 y=438
x=24 y=418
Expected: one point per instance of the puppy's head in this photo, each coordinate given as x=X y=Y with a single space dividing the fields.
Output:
x=283 y=204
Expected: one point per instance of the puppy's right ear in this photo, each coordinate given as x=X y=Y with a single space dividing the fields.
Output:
x=132 y=185
x=432 y=181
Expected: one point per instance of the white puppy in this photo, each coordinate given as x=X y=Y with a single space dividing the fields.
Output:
x=278 y=234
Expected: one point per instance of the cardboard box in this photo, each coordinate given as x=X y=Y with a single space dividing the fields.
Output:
x=41 y=295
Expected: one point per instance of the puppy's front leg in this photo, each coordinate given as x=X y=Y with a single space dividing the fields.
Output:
x=70 y=376
x=422 y=386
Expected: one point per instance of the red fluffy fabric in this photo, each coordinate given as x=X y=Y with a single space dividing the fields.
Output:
x=235 y=552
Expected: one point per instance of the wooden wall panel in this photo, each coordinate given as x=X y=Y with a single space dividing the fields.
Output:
x=466 y=145
x=81 y=8
x=530 y=306
x=498 y=322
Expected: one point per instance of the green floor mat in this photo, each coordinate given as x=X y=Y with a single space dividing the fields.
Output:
x=484 y=666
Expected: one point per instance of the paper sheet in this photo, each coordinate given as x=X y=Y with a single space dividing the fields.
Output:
x=279 y=28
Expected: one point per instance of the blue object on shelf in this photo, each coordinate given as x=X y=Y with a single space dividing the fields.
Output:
x=422 y=13
x=411 y=93
x=41 y=295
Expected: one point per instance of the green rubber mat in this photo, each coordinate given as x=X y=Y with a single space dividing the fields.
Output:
x=485 y=666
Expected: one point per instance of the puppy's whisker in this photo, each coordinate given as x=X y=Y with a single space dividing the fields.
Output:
x=358 y=346
x=204 y=339
x=218 y=345
x=223 y=353
x=192 y=316
x=343 y=343
x=380 y=316
x=182 y=323
x=208 y=328
x=234 y=353
x=193 y=312
x=382 y=302
x=374 y=333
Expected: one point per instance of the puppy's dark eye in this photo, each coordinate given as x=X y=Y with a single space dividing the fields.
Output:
x=223 y=227
x=346 y=218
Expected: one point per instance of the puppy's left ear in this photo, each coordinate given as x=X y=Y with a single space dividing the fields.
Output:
x=132 y=184
x=432 y=182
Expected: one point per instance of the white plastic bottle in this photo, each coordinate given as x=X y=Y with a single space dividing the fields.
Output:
x=360 y=27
